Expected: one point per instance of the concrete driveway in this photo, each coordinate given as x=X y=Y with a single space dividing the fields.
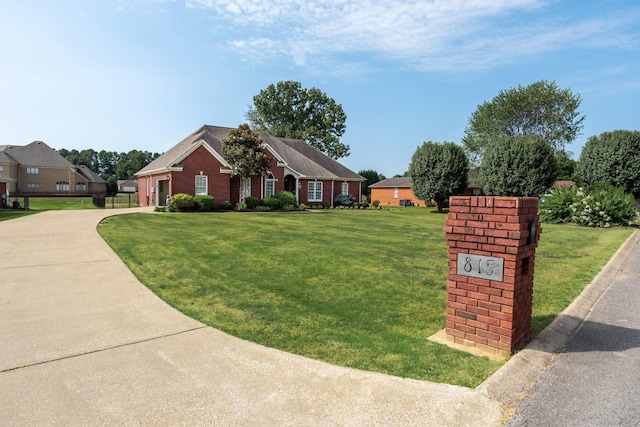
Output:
x=82 y=342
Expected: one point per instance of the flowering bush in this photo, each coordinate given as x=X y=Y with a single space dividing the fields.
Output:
x=604 y=206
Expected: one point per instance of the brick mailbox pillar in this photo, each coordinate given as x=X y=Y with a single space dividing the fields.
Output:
x=492 y=242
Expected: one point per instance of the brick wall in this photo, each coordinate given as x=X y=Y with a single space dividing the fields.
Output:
x=491 y=315
x=385 y=196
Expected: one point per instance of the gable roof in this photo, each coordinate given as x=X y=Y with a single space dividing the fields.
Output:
x=400 y=182
x=295 y=154
x=36 y=154
x=88 y=174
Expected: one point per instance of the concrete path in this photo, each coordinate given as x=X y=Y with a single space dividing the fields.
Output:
x=82 y=342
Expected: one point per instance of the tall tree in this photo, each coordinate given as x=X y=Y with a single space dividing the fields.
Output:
x=613 y=158
x=290 y=111
x=541 y=108
x=517 y=166
x=438 y=171
x=371 y=177
x=566 y=166
x=244 y=152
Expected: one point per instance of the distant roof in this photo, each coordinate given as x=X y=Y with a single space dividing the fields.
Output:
x=400 y=182
x=298 y=156
x=5 y=178
x=89 y=175
x=405 y=181
x=35 y=154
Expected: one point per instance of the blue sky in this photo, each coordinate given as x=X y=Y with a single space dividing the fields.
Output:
x=143 y=74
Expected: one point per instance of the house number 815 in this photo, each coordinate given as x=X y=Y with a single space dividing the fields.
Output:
x=479 y=266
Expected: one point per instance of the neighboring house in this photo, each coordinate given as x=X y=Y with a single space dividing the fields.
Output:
x=397 y=191
x=196 y=166
x=127 y=186
x=38 y=170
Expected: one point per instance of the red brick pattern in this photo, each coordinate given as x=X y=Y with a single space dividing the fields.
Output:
x=492 y=316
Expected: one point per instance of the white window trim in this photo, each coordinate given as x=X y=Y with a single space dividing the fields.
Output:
x=345 y=188
x=269 y=179
x=206 y=185
x=245 y=187
x=313 y=188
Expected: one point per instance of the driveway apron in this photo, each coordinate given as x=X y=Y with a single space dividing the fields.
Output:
x=82 y=341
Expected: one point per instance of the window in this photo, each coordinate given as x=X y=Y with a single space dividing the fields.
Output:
x=345 y=188
x=202 y=185
x=33 y=171
x=315 y=191
x=269 y=186
x=476 y=191
x=245 y=187
x=1 y=168
x=395 y=192
x=62 y=186
x=81 y=186
x=33 y=185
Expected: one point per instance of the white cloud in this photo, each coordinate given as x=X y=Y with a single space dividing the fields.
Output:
x=428 y=35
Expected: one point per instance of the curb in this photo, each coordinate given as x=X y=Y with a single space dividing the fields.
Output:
x=516 y=378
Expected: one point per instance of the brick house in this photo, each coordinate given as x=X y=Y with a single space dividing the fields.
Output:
x=394 y=192
x=397 y=191
x=38 y=170
x=196 y=166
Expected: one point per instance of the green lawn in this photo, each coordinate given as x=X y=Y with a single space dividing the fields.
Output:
x=39 y=204
x=359 y=288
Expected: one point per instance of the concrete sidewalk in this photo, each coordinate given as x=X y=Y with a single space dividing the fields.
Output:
x=82 y=342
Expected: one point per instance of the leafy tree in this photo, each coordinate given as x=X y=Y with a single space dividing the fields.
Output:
x=438 y=171
x=112 y=186
x=613 y=158
x=566 y=166
x=371 y=177
x=244 y=152
x=517 y=166
x=540 y=109
x=290 y=111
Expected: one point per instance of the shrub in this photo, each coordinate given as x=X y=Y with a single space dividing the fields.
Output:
x=261 y=208
x=289 y=208
x=556 y=206
x=240 y=206
x=182 y=202
x=286 y=198
x=226 y=205
x=517 y=166
x=252 y=202
x=604 y=206
x=375 y=203
x=302 y=206
x=160 y=209
x=204 y=203
x=271 y=202
x=345 y=200
x=326 y=205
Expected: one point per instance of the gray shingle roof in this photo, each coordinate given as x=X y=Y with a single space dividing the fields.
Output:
x=89 y=175
x=35 y=154
x=299 y=156
x=393 y=182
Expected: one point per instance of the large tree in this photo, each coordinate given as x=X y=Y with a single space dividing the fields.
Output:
x=541 y=108
x=517 y=166
x=371 y=177
x=244 y=152
x=290 y=111
x=613 y=158
x=438 y=171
